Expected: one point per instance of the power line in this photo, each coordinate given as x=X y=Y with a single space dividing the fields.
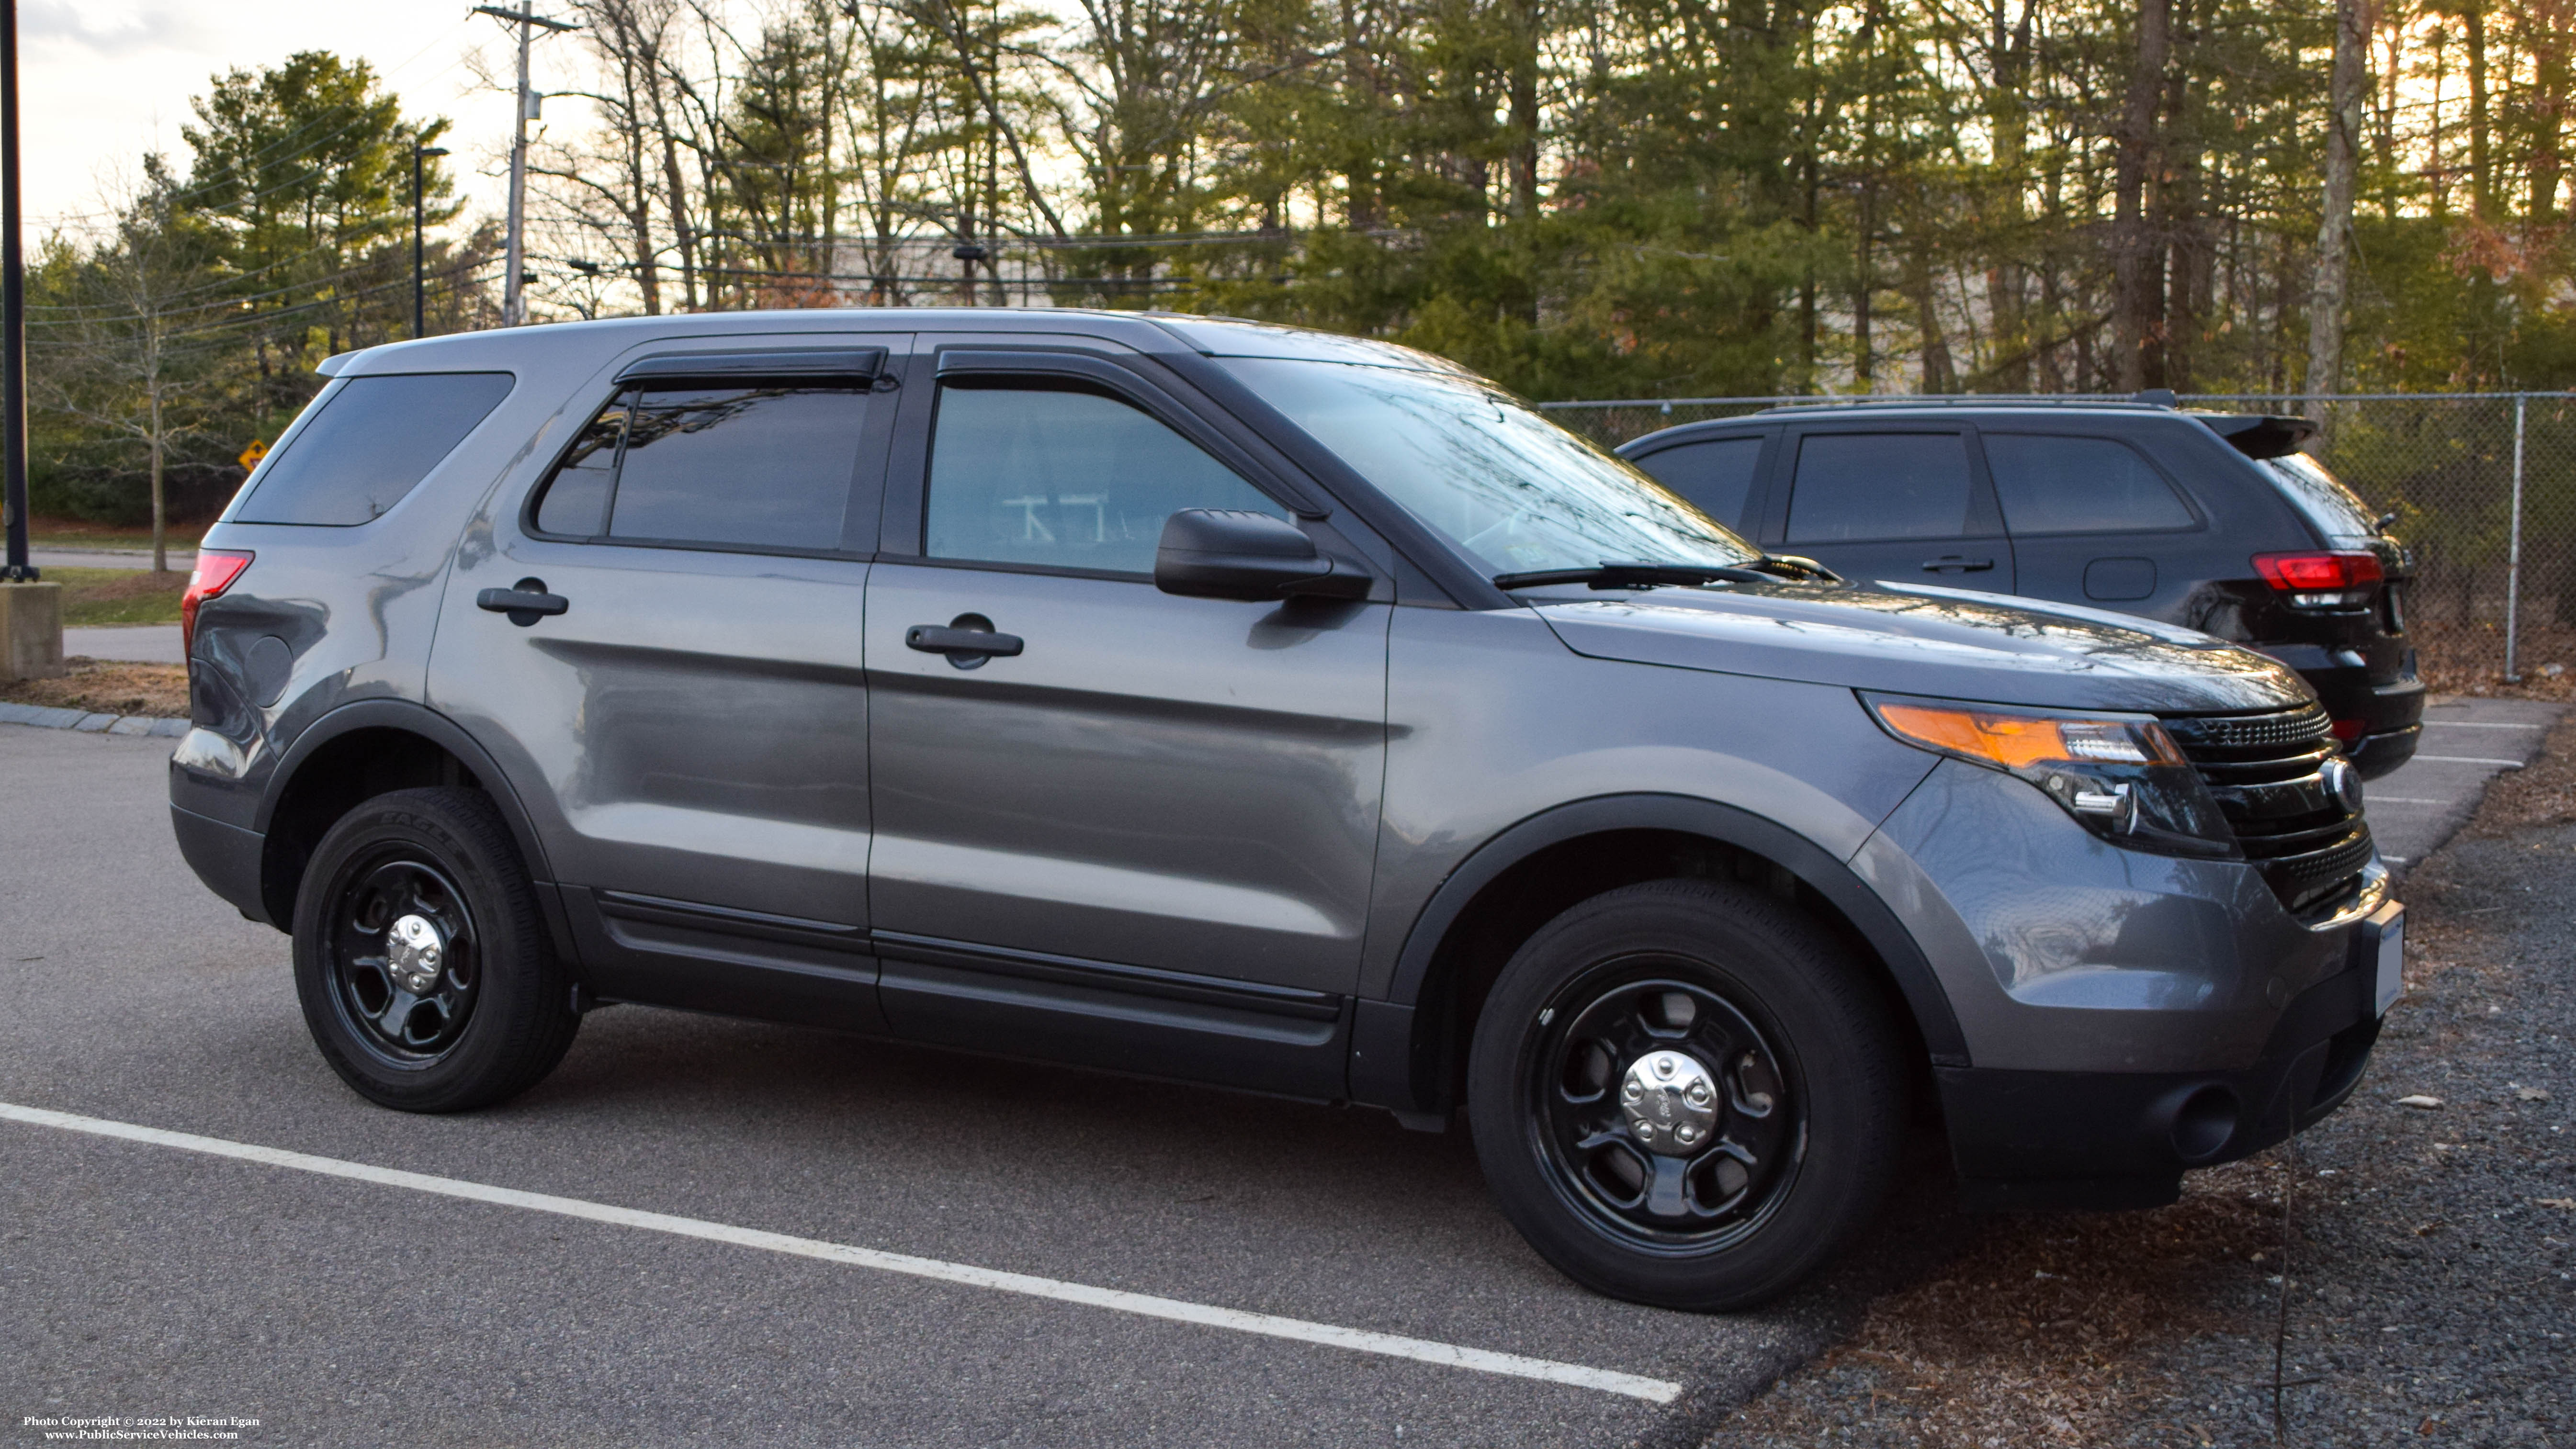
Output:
x=252 y=321
x=220 y=304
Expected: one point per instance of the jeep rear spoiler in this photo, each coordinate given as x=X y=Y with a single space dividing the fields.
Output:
x=2260 y=435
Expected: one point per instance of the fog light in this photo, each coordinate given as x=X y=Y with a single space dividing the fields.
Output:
x=2203 y=1123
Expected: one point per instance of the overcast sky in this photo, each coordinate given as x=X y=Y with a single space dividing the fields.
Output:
x=104 y=81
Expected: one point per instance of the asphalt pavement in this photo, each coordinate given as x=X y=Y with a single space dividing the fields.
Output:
x=107 y=558
x=2467 y=742
x=141 y=1278
x=838 y=1217
x=132 y=643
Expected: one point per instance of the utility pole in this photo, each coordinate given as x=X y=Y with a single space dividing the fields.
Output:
x=13 y=300
x=514 y=303
x=419 y=282
x=31 y=612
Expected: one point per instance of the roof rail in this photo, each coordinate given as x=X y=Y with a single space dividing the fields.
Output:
x=2152 y=400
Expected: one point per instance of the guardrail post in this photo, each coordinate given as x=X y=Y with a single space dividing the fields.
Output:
x=2513 y=551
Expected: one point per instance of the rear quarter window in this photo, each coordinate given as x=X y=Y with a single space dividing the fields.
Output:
x=369 y=444
x=2051 y=483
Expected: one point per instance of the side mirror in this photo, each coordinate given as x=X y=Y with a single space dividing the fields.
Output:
x=1227 y=553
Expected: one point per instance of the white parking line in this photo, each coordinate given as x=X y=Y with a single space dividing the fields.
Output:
x=2483 y=724
x=1447 y=1355
x=2469 y=760
x=2403 y=800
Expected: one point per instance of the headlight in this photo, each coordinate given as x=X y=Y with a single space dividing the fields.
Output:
x=2120 y=774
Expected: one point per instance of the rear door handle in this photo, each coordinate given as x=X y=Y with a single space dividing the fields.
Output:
x=1955 y=564
x=525 y=601
x=974 y=645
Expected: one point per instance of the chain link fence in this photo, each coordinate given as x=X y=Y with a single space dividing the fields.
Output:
x=2483 y=486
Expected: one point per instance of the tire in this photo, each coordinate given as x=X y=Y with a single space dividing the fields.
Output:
x=421 y=957
x=1769 y=1092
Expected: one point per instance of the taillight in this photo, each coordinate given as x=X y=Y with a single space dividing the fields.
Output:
x=2321 y=580
x=216 y=569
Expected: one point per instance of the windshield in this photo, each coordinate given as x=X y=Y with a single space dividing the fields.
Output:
x=1486 y=470
x=2335 y=510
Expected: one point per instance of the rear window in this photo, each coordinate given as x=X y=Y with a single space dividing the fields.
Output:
x=1879 y=485
x=369 y=444
x=2333 y=509
x=758 y=467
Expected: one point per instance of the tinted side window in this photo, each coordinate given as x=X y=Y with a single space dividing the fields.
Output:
x=577 y=501
x=372 y=443
x=1068 y=479
x=2079 y=485
x=761 y=467
x=1714 y=475
x=1879 y=485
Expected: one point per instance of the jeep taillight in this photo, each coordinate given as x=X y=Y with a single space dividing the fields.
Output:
x=2321 y=580
x=216 y=569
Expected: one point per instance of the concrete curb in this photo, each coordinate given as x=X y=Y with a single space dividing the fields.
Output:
x=46 y=718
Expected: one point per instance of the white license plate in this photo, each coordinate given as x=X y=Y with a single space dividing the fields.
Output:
x=2392 y=963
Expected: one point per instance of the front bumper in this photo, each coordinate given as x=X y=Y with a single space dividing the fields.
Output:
x=2123 y=1139
x=2126 y=1016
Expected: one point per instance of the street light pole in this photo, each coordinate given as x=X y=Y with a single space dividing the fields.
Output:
x=419 y=287
x=13 y=301
x=514 y=302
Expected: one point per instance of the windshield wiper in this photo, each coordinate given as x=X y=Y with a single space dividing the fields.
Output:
x=1791 y=566
x=1635 y=575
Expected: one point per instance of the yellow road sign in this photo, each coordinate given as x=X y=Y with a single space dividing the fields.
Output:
x=251 y=455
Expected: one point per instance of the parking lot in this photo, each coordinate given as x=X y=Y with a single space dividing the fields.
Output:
x=146 y=1278
x=1194 y=1267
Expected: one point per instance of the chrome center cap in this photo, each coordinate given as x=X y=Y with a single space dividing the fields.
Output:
x=1670 y=1103
x=414 y=954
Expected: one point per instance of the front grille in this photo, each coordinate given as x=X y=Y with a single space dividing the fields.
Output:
x=2264 y=770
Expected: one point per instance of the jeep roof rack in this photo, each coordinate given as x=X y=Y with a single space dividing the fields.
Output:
x=2154 y=399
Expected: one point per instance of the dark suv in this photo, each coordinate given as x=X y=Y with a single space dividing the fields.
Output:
x=2214 y=521
x=1259 y=708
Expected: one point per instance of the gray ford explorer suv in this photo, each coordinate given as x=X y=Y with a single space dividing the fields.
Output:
x=1265 y=709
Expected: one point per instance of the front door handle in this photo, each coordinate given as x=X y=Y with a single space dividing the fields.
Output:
x=965 y=645
x=1956 y=564
x=525 y=601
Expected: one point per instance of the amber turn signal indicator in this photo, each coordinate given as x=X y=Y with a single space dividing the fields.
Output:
x=2017 y=741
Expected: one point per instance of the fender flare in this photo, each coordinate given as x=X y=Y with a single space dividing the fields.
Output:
x=429 y=724
x=1379 y=1064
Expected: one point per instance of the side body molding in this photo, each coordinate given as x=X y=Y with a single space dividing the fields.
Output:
x=1394 y=1047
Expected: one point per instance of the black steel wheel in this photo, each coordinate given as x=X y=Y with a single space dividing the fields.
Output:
x=1662 y=1110
x=424 y=967
x=1686 y=1093
x=401 y=952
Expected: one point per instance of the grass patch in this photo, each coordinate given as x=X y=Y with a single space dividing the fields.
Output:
x=72 y=533
x=108 y=686
x=118 y=596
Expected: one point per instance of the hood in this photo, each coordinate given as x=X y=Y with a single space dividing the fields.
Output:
x=1949 y=643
